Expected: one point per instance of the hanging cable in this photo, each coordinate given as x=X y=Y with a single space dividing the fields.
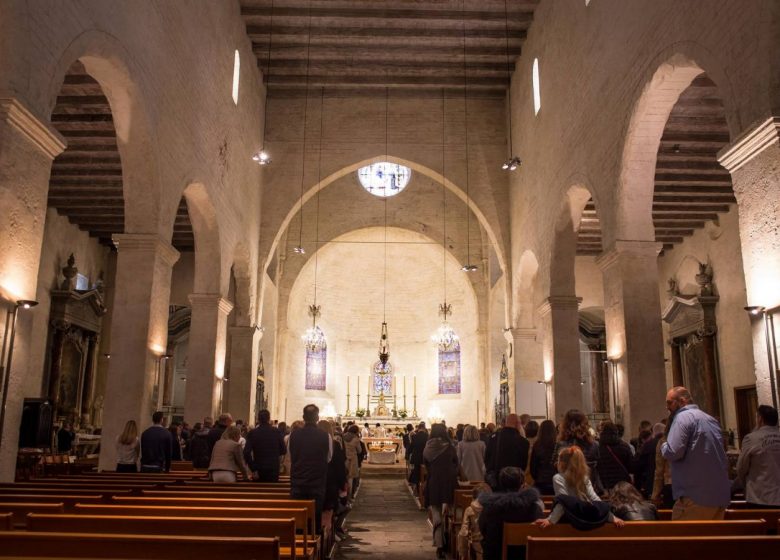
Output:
x=262 y=157
x=468 y=267
x=299 y=249
x=444 y=199
x=513 y=162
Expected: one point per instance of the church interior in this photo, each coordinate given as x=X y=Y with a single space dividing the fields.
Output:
x=399 y=211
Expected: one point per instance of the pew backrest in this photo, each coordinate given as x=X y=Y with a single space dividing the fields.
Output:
x=19 y=510
x=6 y=521
x=651 y=548
x=23 y=544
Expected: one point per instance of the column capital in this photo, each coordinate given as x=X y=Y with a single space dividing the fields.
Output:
x=555 y=303
x=519 y=333
x=215 y=301
x=750 y=143
x=246 y=332
x=39 y=132
x=146 y=242
x=609 y=258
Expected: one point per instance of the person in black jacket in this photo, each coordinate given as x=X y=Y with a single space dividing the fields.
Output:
x=156 y=446
x=418 y=441
x=310 y=453
x=508 y=505
x=264 y=446
x=644 y=462
x=215 y=433
x=541 y=466
x=507 y=448
x=441 y=460
x=336 y=481
x=614 y=457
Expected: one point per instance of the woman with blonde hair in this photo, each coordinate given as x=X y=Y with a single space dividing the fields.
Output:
x=227 y=457
x=574 y=495
x=128 y=448
x=471 y=455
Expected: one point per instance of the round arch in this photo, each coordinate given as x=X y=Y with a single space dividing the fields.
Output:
x=208 y=255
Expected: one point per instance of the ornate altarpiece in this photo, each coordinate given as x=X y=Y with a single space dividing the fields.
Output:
x=693 y=340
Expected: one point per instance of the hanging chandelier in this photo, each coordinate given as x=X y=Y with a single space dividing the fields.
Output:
x=384 y=345
x=445 y=338
x=314 y=338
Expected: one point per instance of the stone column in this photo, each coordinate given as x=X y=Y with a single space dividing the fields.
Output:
x=753 y=160
x=244 y=351
x=206 y=356
x=139 y=333
x=561 y=354
x=635 y=345
x=525 y=369
x=28 y=144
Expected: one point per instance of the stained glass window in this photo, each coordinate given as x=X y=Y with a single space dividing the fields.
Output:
x=316 y=362
x=383 y=375
x=384 y=178
x=449 y=369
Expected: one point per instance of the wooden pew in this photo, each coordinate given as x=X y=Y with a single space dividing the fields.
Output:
x=69 y=500
x=19 y=510
x=6 y=521
x=652 y=548
x=283 y=529
x=219 y=494
x=517 y=534
x=772 y=516
x=303 y=516
x=22 y=544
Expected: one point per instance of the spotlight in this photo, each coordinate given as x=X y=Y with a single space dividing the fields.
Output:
x=107 y=356
x=469 y=268
x=755 y=309
x=298 y=250
x=676 y=148
x=262 y=157
x=26 y=303
x=511 y=164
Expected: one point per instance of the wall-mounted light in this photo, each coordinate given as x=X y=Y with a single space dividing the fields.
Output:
x=262 y=158
x=8 y=352
x=755 y=309
x=107 y=356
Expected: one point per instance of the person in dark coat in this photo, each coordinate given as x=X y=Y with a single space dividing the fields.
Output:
x=264 y=447
x=507 y=448
x=614 y=457
x=575 y=430
x=441 y=460
x=644 y=462
x=418 y=441
x=310 y=453
x=540 y=465
x=215 y=433
x=336 y=480
x=508 y=505
x=407 y=441
x=156 y=446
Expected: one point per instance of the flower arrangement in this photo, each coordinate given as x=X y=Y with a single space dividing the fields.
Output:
x=403 y=413
x=360 y=412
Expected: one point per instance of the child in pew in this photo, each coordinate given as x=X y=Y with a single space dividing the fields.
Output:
x=629 y=505
x=469 y=536
x=575 y=500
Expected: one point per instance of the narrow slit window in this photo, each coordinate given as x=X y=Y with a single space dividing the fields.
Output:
x=236 y=75
x=537 y=92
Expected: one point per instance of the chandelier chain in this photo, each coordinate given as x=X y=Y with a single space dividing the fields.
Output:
x=466 y=124
x=305 y=116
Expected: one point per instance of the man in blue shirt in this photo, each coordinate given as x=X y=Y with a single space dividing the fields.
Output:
x=694 y=448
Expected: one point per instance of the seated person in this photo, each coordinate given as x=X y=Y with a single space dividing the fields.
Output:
x=509 y=505
x=469 y=537
x=575 y=500
x=629 y=505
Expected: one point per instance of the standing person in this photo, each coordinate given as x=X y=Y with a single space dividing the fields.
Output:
x=215 y=433
x=366 y=431
x=199 y=446
x=508 y=448
x=614 y=457
x=441 y=461
x=644 y=463
x=66 y=437
x=336 y=480
x=176 y=452
x=156 y=446
x=297 y=425
x=694 y=448
x=524 y=420
x=406 y=438
x=758 y=467
x=531 y=432
x=227 y=457
x=264 y=446
x=637 y=442
x=575 y=430
x=471 y=455
x=662 y=495
x=310 y=453
x=541 y=467
x=419 y=439
x=128 y=448
x=353 y=450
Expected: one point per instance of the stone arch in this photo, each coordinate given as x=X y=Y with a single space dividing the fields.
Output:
x=669 y=74
x=416 y=167
x=564 y=248
x=208 y=256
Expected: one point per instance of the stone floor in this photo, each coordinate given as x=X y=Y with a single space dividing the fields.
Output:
x=385 y=524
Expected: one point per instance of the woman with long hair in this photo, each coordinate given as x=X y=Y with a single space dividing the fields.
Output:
x=629 y=505
x=614 y=457
x=541 y=467
x=575 y=430
x=573 y=481
x=441 y=460
x=128 y=448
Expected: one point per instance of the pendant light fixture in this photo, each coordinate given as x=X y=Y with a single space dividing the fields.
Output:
x=513 y=162
x=468 y=267
x=262 y=157
x=445 y=337
x=384 y=340
x=314 y=338
x=298 y=249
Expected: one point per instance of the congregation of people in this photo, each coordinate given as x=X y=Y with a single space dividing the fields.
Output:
x=594 y=475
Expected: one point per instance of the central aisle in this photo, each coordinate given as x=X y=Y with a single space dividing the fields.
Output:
x=385 y=524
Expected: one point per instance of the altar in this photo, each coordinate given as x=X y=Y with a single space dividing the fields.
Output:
x=384 y=450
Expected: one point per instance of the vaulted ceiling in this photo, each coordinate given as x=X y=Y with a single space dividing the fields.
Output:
x=691 y=187
x=405 y=45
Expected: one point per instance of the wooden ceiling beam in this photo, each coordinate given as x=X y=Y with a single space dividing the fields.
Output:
x=521 y=12
x=260 y=33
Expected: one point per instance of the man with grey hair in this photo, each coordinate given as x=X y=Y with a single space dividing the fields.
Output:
x=694 y=449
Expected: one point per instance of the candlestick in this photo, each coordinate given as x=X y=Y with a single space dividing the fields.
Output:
x=395 y=405
x=414 y=411
x=348 y=412
x=404 y=392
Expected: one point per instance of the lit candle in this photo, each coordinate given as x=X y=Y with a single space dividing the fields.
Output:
x=348 y=384
x=404 y=386
x=358 y=387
